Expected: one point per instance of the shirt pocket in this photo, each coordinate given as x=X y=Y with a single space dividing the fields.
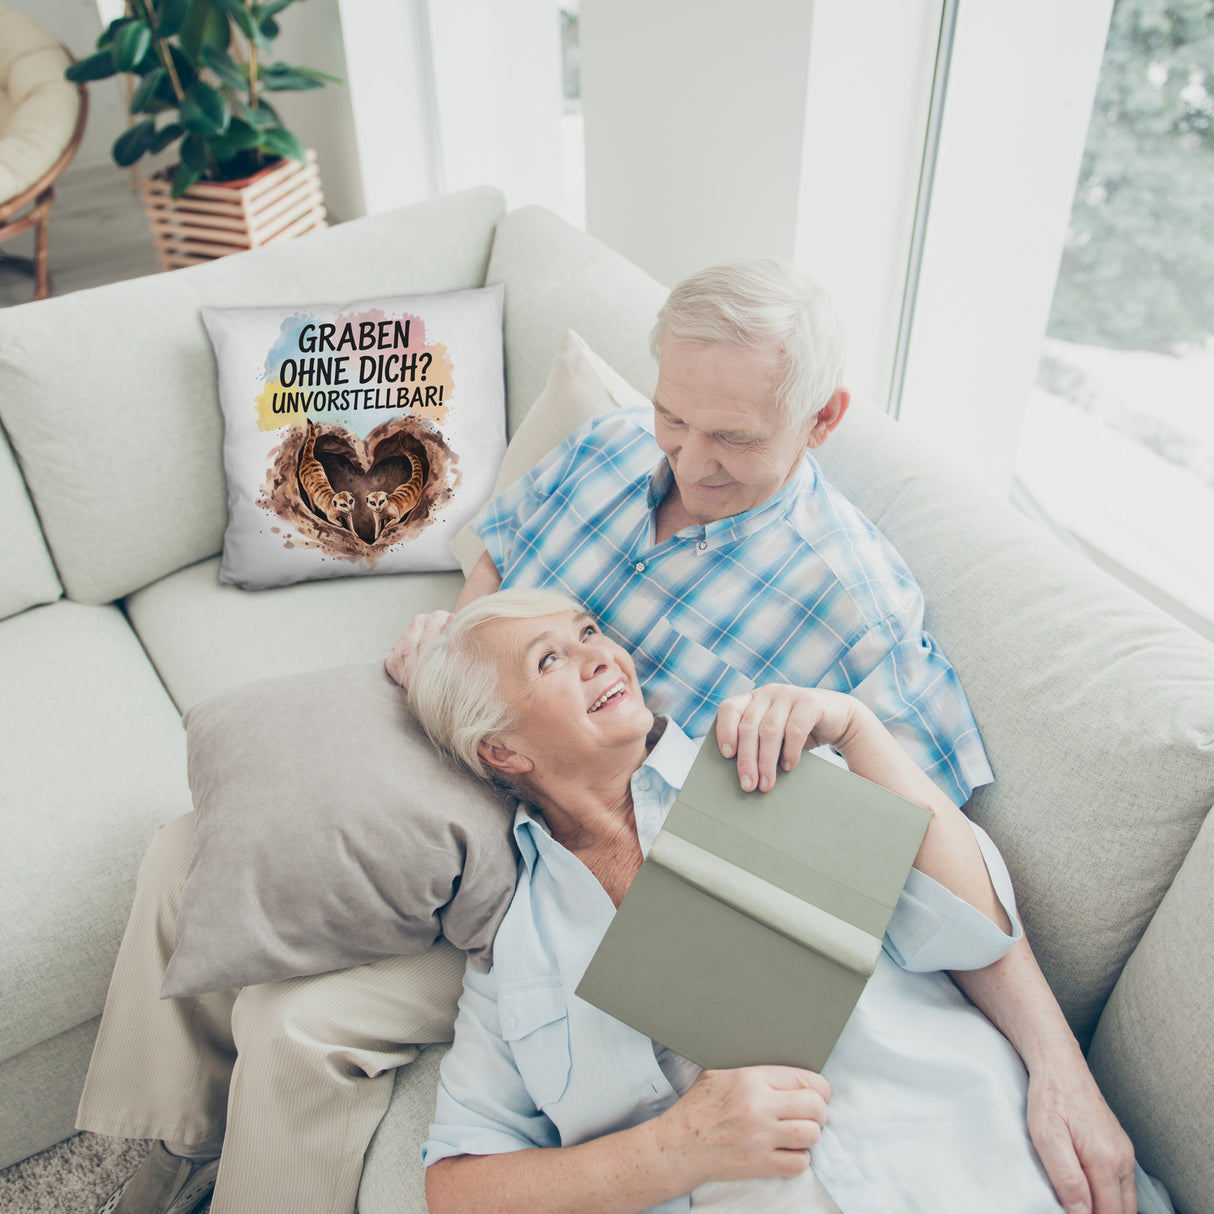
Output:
x=683 y=672
x=535 y=1024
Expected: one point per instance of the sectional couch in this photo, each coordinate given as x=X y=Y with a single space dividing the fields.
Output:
x=1097 y=711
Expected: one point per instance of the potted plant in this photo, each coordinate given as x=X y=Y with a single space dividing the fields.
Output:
x=201 y=71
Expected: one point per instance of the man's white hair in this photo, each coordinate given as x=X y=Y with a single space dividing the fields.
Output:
x=455 y=692
x=763 y=303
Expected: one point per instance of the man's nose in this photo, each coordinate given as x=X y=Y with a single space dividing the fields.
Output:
x=697 y=458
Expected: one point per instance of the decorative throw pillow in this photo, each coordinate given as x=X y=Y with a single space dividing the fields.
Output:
x=317 y=850
x=580 y=386
x=358 y=438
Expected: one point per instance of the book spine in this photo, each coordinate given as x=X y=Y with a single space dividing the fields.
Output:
x=802 y=922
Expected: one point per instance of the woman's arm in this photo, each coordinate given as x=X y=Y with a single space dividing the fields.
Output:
x=769 y=727
x=730 y=1125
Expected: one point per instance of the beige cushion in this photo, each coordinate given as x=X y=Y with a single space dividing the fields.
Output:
x=329 y=832
x=1096 y=709
x=119 y=430
x=557 y=279
x=39 y=108
x=1153 y=1053
x=580 y=386
x=29 y=575
x=204 y=637
x=92 y=761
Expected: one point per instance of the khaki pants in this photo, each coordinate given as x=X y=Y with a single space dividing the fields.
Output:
x=293 y=1076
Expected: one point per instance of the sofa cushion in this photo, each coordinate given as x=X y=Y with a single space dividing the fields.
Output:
x=1097 y=711
x=204 y=637
x=93 y=760
x=1152 y=1054
x=109 y=395
x=580 y=386
x=558 y=278
x=360 y=437
x=29 y=574
x=345 y=841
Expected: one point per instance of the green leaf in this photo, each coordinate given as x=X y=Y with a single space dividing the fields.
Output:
x=186 y=71
x=132 y=144
x=203 y=112
x=95 y=67
x=108 y=34
x=279 y=77
x=183 y=178
x=144 y=97
x=319 y=75
x=262 y=118
x=281 y=142
x=241 y=137
x=194 y=153
x=205 y=26
x=130 y=45
x=171 y=16
x=225 y=67
x=268 y=28
x=166 y=135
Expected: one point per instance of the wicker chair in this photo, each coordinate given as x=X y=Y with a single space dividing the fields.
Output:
x=42 y=118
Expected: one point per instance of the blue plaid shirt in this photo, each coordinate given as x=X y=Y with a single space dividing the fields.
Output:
x=802 y=589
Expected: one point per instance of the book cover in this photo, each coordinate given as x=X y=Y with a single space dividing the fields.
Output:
x=755 y=921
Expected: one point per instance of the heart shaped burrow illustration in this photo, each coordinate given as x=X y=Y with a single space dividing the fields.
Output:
x=352 y=496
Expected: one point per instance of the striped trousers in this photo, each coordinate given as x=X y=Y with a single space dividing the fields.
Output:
x=292 y=1076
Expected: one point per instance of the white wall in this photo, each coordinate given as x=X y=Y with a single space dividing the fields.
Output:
x=694 y=120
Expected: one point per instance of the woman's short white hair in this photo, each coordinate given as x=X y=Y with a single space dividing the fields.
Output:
x=454 y=691
x=761 y=303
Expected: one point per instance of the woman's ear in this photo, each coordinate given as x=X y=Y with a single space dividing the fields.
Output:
x=496 y=754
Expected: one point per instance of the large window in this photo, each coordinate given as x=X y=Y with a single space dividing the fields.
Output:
x=1117 y=443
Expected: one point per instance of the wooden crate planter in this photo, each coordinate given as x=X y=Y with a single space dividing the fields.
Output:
x=215 y=218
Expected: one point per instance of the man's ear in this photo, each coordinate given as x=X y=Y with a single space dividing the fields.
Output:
x=495 y=754
x=829 y=416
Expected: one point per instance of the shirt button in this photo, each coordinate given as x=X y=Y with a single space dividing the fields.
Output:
x=639 y=566
x=702 y=545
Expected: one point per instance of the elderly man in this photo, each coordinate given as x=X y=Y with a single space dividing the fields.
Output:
x=704 y=538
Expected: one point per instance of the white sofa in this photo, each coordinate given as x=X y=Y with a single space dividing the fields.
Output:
x=1097 y=711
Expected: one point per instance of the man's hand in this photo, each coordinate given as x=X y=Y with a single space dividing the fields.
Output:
x=770 y=727
x=400 y=662
x=1086 y=1154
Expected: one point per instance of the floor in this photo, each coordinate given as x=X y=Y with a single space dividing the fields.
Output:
x=98 y=234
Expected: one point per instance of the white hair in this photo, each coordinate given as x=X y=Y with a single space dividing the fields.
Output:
x=763 y=303
x=454 y=691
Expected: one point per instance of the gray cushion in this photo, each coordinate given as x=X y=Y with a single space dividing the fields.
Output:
x=92 y=761
x=1096 y=709
x=329 y=833
x=558 y=278
x=109 y=395
x=1153 y=1052
x=29 y=575
x=205 y=637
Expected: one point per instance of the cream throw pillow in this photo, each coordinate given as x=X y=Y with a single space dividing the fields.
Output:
x=580 y=386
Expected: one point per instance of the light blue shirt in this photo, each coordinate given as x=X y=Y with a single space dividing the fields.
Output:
x=802 y=589
x=927 y=1111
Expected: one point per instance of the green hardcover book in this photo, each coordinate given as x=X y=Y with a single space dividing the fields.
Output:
x=756 y=919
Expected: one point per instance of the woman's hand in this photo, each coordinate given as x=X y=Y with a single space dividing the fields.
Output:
x=401 y=661
x=772 y=725
x=750 y=1122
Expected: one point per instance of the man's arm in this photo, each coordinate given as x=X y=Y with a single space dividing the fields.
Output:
x=484 y=579
x=1087 y=1155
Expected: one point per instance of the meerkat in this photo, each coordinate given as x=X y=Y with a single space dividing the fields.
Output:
x=389 y=508
x=336 y=508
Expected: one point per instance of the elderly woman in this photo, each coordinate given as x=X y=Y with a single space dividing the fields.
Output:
x=547 y=1103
